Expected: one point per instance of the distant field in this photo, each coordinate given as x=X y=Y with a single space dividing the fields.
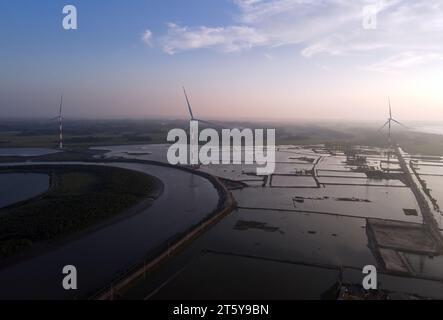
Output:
x=79 y=197
x=86 y=133
x=411 y=142
x=77 y=133
x=8 y=140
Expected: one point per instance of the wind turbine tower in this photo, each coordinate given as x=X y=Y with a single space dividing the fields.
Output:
x=191 y=114
x=60 y=121
x=389 y=124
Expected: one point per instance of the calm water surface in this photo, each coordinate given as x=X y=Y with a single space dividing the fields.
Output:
x=26 y=152
x=16 y=187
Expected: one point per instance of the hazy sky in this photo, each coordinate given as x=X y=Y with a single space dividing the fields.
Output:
x=258 y=59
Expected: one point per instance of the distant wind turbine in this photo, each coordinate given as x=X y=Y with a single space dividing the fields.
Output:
x=60 y=121
x=192 y=114
x=389 y=123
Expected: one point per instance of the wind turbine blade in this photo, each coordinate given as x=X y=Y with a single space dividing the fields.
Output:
x=209 y=123
x=189 y=105
x=390 y=109
x=386 y=123
x=400 y=123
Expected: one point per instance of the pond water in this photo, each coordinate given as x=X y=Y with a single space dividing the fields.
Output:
x=341 y=174
x=293 y=231
x=240 y=278
x=293 y=181
x=361 y=181
x=384 y=202
x=435 y=185
x=283 y=231
x=155 y=152
x=297 y=237
x=430 y=170
x=26 y=152
x=16 y=187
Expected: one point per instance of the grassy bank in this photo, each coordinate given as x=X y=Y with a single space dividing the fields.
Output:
x=79 y=197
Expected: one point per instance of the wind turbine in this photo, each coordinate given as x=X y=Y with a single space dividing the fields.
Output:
x=192 y=114
x=389 y=123
x=60 y=121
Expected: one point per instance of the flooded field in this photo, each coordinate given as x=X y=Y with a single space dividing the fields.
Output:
x=323 y=240
x=322 y=215
x=16 y=187
x=293 y=181
x=360 y=181
x=242 y=278
x=432 y=182
x=308 y=219
x=359 y=201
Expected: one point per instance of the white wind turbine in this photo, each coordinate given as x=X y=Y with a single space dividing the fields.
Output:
x=191 y=114
x=389 y=124
x=60 y=121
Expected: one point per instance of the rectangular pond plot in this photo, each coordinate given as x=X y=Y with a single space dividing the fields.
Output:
x=293 y=181
x=360 y=181
x=332 y=160
x=390 y=166
x=298 y=150
x=285 y=157
x=296 y=237
x=358 y=201
x=370 y=151
x=26 y=152
x=398 y=284
x=334 y=163
x=400 y=237
x=291 y=168
x=154 y=152
x=223 y=277
x=374 y=164
x=341 y=174
x=436 y=162
x=253 y=183
x=435 y=186
x=425 y=266
x=233 y=171
x=380 y=157
x=430 y=170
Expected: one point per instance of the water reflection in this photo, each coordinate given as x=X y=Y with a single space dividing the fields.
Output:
x=26 y=152
x=16 y=187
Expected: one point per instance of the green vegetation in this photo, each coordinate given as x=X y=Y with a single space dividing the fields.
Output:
x=79 y=197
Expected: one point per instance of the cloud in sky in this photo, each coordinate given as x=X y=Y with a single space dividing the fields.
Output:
x=147 y=37
x=403 y=60
x=320 y=27
x=228 y=39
